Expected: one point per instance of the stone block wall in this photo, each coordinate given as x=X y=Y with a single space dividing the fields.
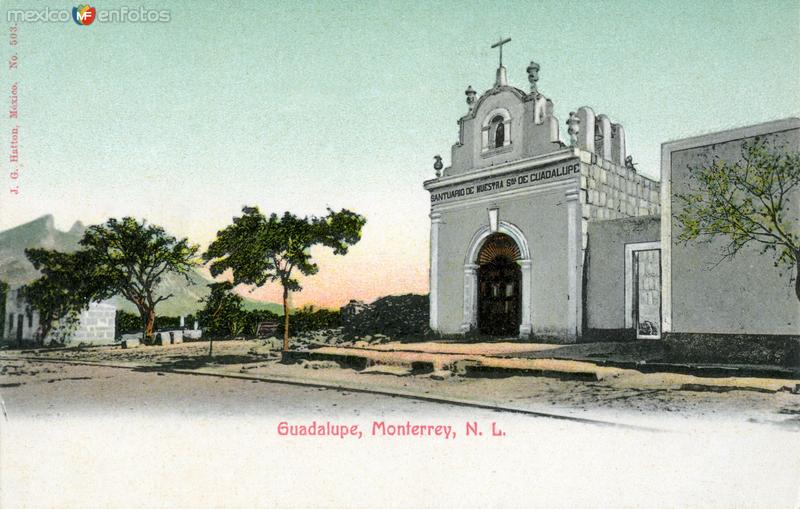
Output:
x=97 y=325
x=613 y=191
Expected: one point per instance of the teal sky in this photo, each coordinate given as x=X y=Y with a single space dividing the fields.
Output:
x=303 y=105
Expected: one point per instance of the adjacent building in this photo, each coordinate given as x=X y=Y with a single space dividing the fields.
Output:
x=733 y=309
x=96 y=325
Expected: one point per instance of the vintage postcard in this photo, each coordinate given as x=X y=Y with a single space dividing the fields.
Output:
x=393 y=254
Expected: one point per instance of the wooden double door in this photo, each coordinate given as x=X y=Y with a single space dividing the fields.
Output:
x=499 y=289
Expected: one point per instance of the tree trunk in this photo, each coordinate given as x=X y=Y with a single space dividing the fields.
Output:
x=44 y=329
x=285 y=319
x=149 y=319
x=210 y=346
x=797 y=274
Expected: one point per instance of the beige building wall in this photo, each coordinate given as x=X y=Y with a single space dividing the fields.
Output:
x=702 y=294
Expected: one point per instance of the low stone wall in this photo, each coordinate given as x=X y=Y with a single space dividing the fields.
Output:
x=97 y=325
x=733 y=349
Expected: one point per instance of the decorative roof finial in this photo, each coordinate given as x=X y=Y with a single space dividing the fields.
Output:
x=470 y=93
x=533 y=76
x=574 y=123
x=438 y=165
x=629 y=164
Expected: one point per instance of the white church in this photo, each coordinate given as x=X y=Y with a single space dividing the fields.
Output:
x=557 y=240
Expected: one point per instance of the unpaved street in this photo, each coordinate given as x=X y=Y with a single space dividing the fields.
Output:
x=627 y=396
x=80 y=436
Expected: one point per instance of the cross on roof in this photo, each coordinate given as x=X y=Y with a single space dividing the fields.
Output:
x=499 y=44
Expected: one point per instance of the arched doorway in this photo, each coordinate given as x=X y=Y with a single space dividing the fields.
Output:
x=499 y=286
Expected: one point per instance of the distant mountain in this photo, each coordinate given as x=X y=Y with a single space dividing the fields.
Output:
x=260 y=305
x=16 y=270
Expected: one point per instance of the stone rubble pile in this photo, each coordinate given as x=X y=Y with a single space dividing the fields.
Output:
x=305 y=341
x=395 y=316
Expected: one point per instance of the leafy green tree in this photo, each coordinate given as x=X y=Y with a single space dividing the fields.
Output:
x=222 y=312
x=748 y=202
x=134 y=257
x=66 y=287
x=259 y=249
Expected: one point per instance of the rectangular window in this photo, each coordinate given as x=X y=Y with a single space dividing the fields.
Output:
x=30 y=319
x=10 y=322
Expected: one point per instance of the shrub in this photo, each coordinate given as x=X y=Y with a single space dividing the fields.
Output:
x=255 y=317
x=126 y=323
x=309 y=319
x=167 y=322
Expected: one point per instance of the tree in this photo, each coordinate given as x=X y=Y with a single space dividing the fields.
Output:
x=222 y=312
x=66 y=287
x=135 y=257
x=259 y=250
x=747 y=202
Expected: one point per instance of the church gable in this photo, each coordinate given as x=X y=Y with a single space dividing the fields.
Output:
x=505 y=124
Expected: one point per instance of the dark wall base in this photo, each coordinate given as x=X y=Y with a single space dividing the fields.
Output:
x=606 y=335
x=733 y=348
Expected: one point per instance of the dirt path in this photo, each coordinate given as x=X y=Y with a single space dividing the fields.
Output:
x=634 y=397
x=78 y=436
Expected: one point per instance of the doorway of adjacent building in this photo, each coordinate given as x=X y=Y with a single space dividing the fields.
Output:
x=499 y=286
x=20 y=325
x=647 y=293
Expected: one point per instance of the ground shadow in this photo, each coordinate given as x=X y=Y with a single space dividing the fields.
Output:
x=621 y=351
x=195 y=362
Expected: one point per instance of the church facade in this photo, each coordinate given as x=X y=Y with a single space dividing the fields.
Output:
x=510 y=215
x=535 y=237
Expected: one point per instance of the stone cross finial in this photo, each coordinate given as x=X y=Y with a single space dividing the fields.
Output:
x=574 y=123
x=533 y=75
x=499 y=44
x=470 y=93
x=437 y=166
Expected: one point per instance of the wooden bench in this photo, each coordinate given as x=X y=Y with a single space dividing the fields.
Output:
x=268 y=329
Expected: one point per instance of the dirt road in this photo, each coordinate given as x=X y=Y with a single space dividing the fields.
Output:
x=84 y=437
